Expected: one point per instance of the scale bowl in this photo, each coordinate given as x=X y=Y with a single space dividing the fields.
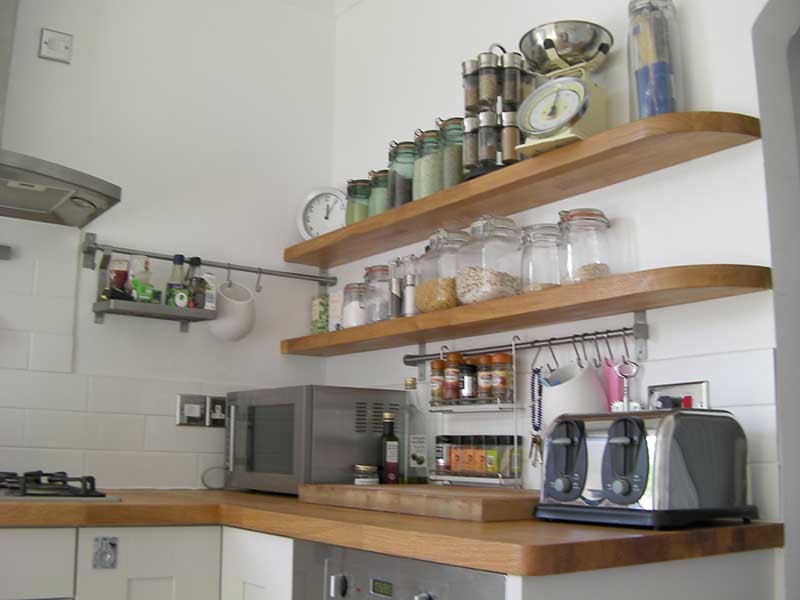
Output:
x=576 y=42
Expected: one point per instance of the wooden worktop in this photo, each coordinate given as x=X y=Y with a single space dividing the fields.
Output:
x=518 y=547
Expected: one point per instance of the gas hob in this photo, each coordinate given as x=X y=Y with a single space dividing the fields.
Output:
x=58 y=486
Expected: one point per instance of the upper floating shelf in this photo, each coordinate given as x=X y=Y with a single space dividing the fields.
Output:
x=610 y=157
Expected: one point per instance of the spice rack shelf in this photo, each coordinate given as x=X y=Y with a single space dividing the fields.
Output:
x=151 y=311
x=616 y=294
x=441 y=479
x=475 y=408
x=613 y=156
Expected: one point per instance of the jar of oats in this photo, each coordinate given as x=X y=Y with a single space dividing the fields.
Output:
x=488 y=266
x=585 y=245
x=436 y=271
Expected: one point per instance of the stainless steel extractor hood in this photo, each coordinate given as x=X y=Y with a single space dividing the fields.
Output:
x=35 y=189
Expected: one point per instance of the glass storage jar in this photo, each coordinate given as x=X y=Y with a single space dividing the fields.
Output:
x=470 y=160
x=390 y=179
x=357 y=200
x=487 y=138
x=416 y=192
x=429 y=160
x=436 y=285
x=511 y=78
x=509 y=138
x=401 y=173
x=354 y=305
x=528 y=83
x=488 y=266
x=540 y=266
x=378 y=293
x=469 y=78
x=584 y=245
x=379 y=192
x=487 y=80
x=452 y=377
x=452 y=135
x=437 y=382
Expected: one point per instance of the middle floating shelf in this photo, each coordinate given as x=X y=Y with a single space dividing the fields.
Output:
x=617 y=294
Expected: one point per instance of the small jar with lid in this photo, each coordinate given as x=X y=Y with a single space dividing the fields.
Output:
x=488 y=266
x=509 y=138
x=365 y=475
x=503 y=378
x=436 y=285
x=416 y=191
x=379 y=192
x=457 y=454
x=354 y=305
x=528 y=83
x=401 y=173
x=378 y=293
x=585 y=245
x=540 y=266
x=485 y=379
x=487 y=138
x=468 y=382
x=437 y=382
x=443 y=453
x=452 y=135
x=470 y=160
x=511 y=77
x=358 y=191
x=452 y=374
x=487 y=80
x=469 y=79
x=429 y=161
x=390 y=179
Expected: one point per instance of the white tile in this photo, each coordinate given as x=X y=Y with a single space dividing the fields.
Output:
x=765 y=490
x=30 y=389
x=142 y=469
x=161 y=433
x=37 y=313
x=14 y=349
x=137 y=396
x=16 y=276
x=114 y=432
x=12 y=427
x=32 y=240
x=214 y=467
x=760 y=425
x=55 y=429
x=56 y=279
x=32 y=459
x=221 y=389
x=51 y=352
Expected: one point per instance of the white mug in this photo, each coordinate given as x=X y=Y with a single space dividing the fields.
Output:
x=236 y=312
x=575 y=390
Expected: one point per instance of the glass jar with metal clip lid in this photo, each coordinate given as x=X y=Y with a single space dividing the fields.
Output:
x=401 y=173
x=452 y=135
x=357 y=200
x=436 y=288
x=488 y=266
x=585 y=245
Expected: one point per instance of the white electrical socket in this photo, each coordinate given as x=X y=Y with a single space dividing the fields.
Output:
x=191 y=410
x=56 y=45
x=697 y=390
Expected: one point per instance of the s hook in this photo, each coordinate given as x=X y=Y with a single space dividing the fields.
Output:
x=258 y=282
x=553 y=354
x=228 y=281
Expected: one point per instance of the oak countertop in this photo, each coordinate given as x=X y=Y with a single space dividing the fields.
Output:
x=515 y=547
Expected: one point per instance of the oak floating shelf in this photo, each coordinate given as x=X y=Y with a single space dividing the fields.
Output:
x=617 y=294
x=610 y=157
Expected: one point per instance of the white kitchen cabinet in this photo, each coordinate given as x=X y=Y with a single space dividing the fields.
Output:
x=256 y=566
x=37 y=563
x=153 y=563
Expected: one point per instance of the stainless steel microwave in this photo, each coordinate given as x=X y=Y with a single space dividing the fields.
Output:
x=277 y=439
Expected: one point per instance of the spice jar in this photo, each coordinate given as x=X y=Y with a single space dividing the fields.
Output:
x=540 y=266
x=509 y=138
x=437 y=382
x=319 y=313
x=470 y=155
x=401 y=172
x=479 y=450
x=490 y=448
x=510 y=457
x=468 y=380
x=354 y=305
x=436 y=286
x=379 y=192
x=378 y=293
x=468 y=454
x=511 y=77
x=528 y=83
x=585 y=244
x=503 y=378
x=488 y=266
x=485 y=378
x=357 y=200
x=443 y=450
x=457 y=454
x=452 y=372
x=487 y=138
x=365 y=475
x=429 y=160
x=469 y=80
x=487 y=80
x=452 y=135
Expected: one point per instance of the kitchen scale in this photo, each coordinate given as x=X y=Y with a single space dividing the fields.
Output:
x=570 y=106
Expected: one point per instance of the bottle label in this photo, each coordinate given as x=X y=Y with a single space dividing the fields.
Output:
x=485 y=380
x=391 y=470
x=417 y=452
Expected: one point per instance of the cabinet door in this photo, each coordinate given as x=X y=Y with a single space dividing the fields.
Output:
x=152 y=563
x=37 y=563
x=256 y=566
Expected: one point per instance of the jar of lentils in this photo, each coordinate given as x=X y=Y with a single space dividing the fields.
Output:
x=585 y=245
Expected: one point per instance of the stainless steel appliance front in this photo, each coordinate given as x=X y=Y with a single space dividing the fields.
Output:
x=331 y=572
x=277 y=439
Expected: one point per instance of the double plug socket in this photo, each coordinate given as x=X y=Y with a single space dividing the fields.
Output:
x=200 y=411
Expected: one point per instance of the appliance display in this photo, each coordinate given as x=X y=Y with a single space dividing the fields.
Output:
x=38 y=485
x=277 y=439
x=667 y=468
x=332 y=572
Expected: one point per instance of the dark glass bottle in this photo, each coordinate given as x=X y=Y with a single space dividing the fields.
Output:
x=195 y=283
x=390 y=451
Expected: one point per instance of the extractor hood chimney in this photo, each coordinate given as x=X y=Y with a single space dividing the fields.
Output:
x=35 y=189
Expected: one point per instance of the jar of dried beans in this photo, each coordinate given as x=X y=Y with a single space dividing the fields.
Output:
x=585 y=245
x=436 y=286
x=488 y=266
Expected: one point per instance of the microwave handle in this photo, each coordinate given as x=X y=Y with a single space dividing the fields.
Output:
x=232 y=438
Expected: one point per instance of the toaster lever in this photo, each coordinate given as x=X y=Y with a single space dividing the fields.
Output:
x=622 y=440
x=562 y=441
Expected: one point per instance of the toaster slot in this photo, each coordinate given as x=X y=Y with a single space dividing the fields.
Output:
x=566 y=462
x=625 y=461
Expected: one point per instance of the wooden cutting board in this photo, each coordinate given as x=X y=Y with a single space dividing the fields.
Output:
x=447 y=502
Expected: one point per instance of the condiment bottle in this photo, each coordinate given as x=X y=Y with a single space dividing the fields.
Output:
x=357 y=200
x=175 y=284
x=452 y=136
x=503 y=377
x=456 y=454
x=390 y=451
x=479 y=451
x=379 y=192
x=468 y=456
x=469 y=381
x=487 y=80
x=196 y=284
x=402 y=173
x=452 y=371
x=485 y=378
x=409 y=285
x=469 y=78
x=509 y=137
x=443 y=453
x=437 y=382
x=492 y=457
x=487 y=138
x=511 y=76
x=470 y=155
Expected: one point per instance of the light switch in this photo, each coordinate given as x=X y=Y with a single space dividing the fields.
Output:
x=56 y=45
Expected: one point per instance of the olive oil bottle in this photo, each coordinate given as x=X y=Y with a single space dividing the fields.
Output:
x=390 y=451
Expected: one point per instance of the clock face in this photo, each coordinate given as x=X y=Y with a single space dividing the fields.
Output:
x=322 y=212
x=553 y=106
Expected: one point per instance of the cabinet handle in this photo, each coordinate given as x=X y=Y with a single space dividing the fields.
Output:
x=232 y=438
x=105 y=553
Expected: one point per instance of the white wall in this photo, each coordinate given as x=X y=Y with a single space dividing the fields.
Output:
x=710 y=210
x=202 y=112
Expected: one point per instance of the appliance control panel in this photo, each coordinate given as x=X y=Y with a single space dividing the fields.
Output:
x=566 y=460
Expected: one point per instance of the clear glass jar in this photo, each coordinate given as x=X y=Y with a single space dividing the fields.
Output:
x=487 y=138
x=487 y=80
x=402 y=173
x=485 y=378
x=437 y=382
x=509 y=138
x=436 y=285
x=390 y=179
x=410 y=267
x=469 y=79
x=511 y=78
x=354 y=305
x=452 y=135
x=357 y=200
x=379 y=192
x=470 y=160
x=503 y=378
x=540 y=266
x=416 y=185
x=654 y=58
x=378 y=293
x=365 y=475
x=488 y=266
x=452 y=375
x=584 y=245
x=429 y=161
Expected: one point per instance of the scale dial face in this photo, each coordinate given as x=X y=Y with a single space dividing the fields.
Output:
x=323 y=211
x=553 y=106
